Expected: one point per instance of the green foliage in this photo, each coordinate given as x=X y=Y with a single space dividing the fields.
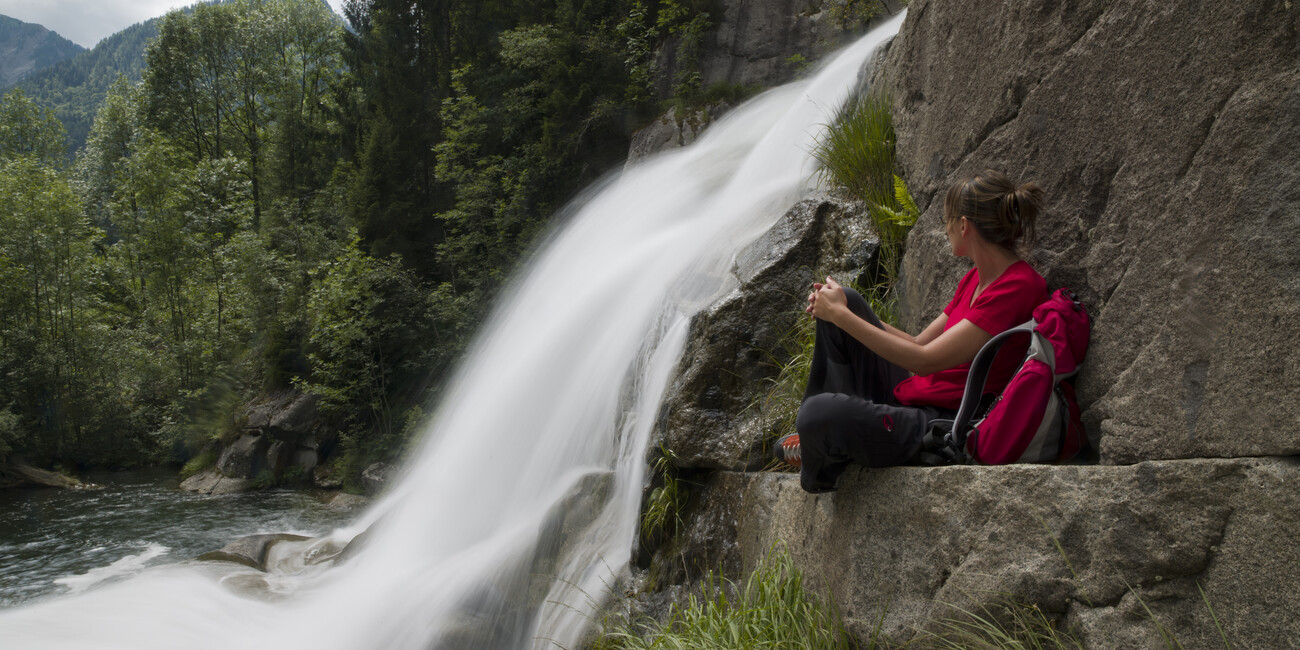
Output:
x=364 y=340
x=770 y=610
x=798 y=62
x=26 y=130
x=662 y=514
x=200 y=248
x=10 y=433
x=639 y=36
x=687 y=24
x=75 y=88
x=205 y=459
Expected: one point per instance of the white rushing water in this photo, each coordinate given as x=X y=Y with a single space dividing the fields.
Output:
x=518 y=512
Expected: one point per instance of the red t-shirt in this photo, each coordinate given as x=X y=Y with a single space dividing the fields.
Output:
x=1006 y=303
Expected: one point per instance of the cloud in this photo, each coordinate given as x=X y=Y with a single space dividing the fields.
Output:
x=86 y=22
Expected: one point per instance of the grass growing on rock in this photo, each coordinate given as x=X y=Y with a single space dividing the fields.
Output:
x=856 y=153
x=771 y=609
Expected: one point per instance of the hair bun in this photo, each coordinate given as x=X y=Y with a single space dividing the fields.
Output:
x=1004 y=213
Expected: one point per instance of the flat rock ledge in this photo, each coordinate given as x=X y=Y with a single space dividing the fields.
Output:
x=1093 y=546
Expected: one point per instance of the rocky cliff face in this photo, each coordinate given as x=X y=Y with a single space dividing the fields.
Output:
x=756 y=44
x=768 y=42
x=1167 y=137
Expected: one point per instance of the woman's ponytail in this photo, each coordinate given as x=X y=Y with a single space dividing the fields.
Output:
x=1002 y=212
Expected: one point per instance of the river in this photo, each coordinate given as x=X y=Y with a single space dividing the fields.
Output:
x=55 y=542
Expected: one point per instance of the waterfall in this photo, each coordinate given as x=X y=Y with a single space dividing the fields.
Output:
x=517 y=513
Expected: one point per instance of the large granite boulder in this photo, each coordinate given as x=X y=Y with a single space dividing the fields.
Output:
x=1092 y=546
x=1167 y=138
x=282 y=439
x=711 y=416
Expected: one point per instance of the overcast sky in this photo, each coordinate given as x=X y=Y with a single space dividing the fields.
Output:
x=86 y=22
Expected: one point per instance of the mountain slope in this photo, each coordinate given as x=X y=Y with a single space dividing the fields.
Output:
x=76 y=87
x=27 y=47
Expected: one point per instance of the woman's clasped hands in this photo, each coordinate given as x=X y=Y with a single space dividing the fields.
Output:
x=827 y=301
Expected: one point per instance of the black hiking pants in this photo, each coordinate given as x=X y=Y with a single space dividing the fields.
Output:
x=849 y=413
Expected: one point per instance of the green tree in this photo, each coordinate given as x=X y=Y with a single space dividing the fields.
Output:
x=28 y=130
x=367 y=342
x=45 y=262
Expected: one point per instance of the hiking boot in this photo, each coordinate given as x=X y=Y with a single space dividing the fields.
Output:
x=787 y=450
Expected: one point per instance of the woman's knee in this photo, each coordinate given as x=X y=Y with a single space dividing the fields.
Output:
x=815 y=414
x=859 y=306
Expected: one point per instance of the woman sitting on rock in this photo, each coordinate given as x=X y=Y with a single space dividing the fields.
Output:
x=861 y=405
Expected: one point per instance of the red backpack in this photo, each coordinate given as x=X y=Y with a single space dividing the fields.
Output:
x=1036 y=418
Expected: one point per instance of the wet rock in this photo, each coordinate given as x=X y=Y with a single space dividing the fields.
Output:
x=211 y=481
x=283 y=438
x=375 y=478
x=765 y=42
x=1169 y=148
x=345 y=501
x=244 y=458
x=357 y=543
x=711 y=417
x=672 y=131
x=912 y=542
x=251 y=551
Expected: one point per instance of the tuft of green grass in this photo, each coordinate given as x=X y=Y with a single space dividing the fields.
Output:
x=770 y=610
x=663 y=508
x=206 y=458
x=856 y=152
x=1010 y=625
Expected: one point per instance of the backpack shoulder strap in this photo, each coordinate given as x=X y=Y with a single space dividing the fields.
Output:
x=978 y=377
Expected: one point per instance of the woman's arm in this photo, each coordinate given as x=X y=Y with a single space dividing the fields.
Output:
x=932 y=351
x=931 y=331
